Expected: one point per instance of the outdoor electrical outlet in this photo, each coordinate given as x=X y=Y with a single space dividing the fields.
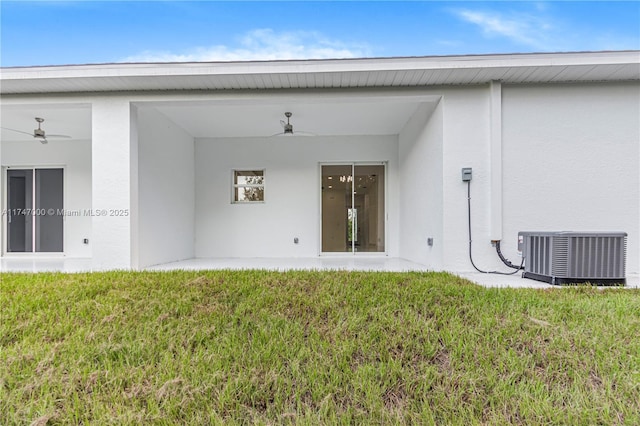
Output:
x=295 y=240
x=466 y=174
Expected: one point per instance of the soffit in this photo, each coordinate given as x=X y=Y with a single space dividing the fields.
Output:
x=320 y=74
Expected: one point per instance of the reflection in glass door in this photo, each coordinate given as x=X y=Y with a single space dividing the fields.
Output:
x=353 y=214
x=34 y=210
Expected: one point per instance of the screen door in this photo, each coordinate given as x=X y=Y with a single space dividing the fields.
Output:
x=35 y=210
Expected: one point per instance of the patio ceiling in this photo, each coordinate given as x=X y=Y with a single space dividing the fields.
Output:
x=70 y=119
x=330 y=117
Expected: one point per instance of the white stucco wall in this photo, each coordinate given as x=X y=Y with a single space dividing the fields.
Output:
x=292 y=193
x=75 y=157
x=571 y=158
x=166 y=188
x=420 y=182
x=114 y=148
x=2 y=203
x=466 y=143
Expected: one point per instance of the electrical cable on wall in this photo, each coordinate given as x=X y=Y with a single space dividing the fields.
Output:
x=504 y=259
x=517 y=268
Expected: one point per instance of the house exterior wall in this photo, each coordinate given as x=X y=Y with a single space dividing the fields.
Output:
x=75 y=158
x=466 y=143
x=569 y=156
x=571 y=159
x=420 y=147
x=166 y=190
x=292 y=192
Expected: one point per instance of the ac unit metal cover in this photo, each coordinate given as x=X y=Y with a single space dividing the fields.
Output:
x=574 y=257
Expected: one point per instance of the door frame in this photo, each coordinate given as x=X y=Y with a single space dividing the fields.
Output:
x=4 y=206
x=384 y=253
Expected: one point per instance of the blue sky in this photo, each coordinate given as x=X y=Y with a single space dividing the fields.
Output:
x=79 y=32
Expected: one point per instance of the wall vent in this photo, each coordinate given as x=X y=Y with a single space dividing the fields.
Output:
x=574 y=257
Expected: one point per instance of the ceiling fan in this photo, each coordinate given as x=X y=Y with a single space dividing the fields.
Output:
x=39 y=133
x=288 y=128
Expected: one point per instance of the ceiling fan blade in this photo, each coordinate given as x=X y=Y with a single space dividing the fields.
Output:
x=301 y=133
x=290 y=135
x=18 y=131
x=59 y=136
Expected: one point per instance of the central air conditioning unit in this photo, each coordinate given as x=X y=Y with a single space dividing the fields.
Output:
x=574 y=257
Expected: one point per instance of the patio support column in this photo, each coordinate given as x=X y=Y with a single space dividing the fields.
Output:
x=114 y=184
x=495 y=141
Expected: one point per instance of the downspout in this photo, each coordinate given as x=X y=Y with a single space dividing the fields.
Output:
x=134 y=197
x=495 y=152
x=495 y=163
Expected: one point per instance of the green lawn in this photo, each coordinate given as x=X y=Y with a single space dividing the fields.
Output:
x=313 y=348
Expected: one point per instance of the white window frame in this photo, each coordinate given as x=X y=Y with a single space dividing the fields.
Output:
x=235 y=186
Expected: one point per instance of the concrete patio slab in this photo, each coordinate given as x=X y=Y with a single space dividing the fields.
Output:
x=516 y=281
x=347 y=263
x=45 y=264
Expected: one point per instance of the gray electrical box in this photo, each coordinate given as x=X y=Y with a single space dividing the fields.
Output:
x=466 y=174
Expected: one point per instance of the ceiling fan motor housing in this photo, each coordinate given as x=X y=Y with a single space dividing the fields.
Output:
x=288 y=128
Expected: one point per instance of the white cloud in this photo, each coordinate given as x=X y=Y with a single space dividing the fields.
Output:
x=542 y=31
x=528 y=29
x=262 y=44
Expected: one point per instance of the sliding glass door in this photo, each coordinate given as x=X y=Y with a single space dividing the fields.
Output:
x=353 y=214
x=34 y=219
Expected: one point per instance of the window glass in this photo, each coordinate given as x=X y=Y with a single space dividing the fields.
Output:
x=248 y=186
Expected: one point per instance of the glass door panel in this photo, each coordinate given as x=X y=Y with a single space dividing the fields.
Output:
x=49 y=216
x=337 y=188
x=19 y=208
x=368 y=201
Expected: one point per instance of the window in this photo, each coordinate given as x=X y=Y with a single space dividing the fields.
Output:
x=248 y=186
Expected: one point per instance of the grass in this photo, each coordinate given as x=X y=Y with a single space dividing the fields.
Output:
x=257 y=347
